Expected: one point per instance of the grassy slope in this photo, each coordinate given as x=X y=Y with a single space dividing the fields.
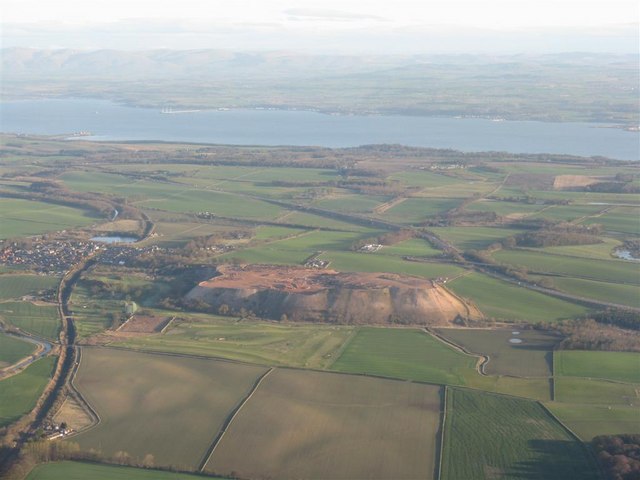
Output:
x=489 y=436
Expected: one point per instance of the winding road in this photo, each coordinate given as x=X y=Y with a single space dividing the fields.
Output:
x=43 y=347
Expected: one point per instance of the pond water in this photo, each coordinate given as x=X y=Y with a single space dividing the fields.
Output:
x=114 y=239
x=625 y=255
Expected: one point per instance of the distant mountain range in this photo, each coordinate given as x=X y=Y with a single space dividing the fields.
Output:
x=174 y=64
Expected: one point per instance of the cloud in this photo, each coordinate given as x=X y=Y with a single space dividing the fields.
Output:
x=314 y=14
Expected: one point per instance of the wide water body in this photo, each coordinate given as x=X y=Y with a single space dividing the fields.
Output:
x=109 y=121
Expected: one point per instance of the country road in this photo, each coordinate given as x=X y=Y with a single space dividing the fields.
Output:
x=43 y=349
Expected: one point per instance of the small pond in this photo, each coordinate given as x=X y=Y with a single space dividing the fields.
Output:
x=115 y=239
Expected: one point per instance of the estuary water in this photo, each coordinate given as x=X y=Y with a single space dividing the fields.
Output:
x=109 y=121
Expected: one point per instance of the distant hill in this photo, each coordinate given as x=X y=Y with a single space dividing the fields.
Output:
x=560 y=87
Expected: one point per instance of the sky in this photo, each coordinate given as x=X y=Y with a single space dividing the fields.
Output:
x=327 y=26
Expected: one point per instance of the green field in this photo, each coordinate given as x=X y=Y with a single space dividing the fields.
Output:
x=505 y=301
x=85 y=471
x=412 y=354
x=602 y=250
x=26 y=217
x=171 y=196
x=515 y=209
x=13 y=349
x=588 y=421
x=19 y=393
x=16 y=286
x=417 y=210
x=590 y=391
x=531 y=358
x=414 y=247
x=320 y=425
x=620 y=219
x=42 y=320
x=569 y=212
x=404 y=353
x=351 y=203
x=146 y=402
x=617 y=271
x=267 y=343
x=622 y=366
x=488 y=436
x=470 y=238
x=627 y=295
x=378 y=262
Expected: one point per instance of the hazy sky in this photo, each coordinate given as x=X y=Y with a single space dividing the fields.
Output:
x=391 y=26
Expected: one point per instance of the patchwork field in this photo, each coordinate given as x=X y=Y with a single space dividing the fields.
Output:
x=26 y=217
x=532 y=357
x=415 y=355
x=488 y=436
x=19 y=393
x=146 y=402
x=318 y=425
x=404 y=353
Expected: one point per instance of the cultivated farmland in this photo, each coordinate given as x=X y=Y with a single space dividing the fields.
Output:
x=147 y=402
x=318 y=425
x=489 y=436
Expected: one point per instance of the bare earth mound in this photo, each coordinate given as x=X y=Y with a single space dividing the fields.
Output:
x=573 y=181
x=303 y=294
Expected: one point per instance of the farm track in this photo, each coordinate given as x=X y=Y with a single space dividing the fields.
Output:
x=482 y=360
x=229 y=420
x=43 y=347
